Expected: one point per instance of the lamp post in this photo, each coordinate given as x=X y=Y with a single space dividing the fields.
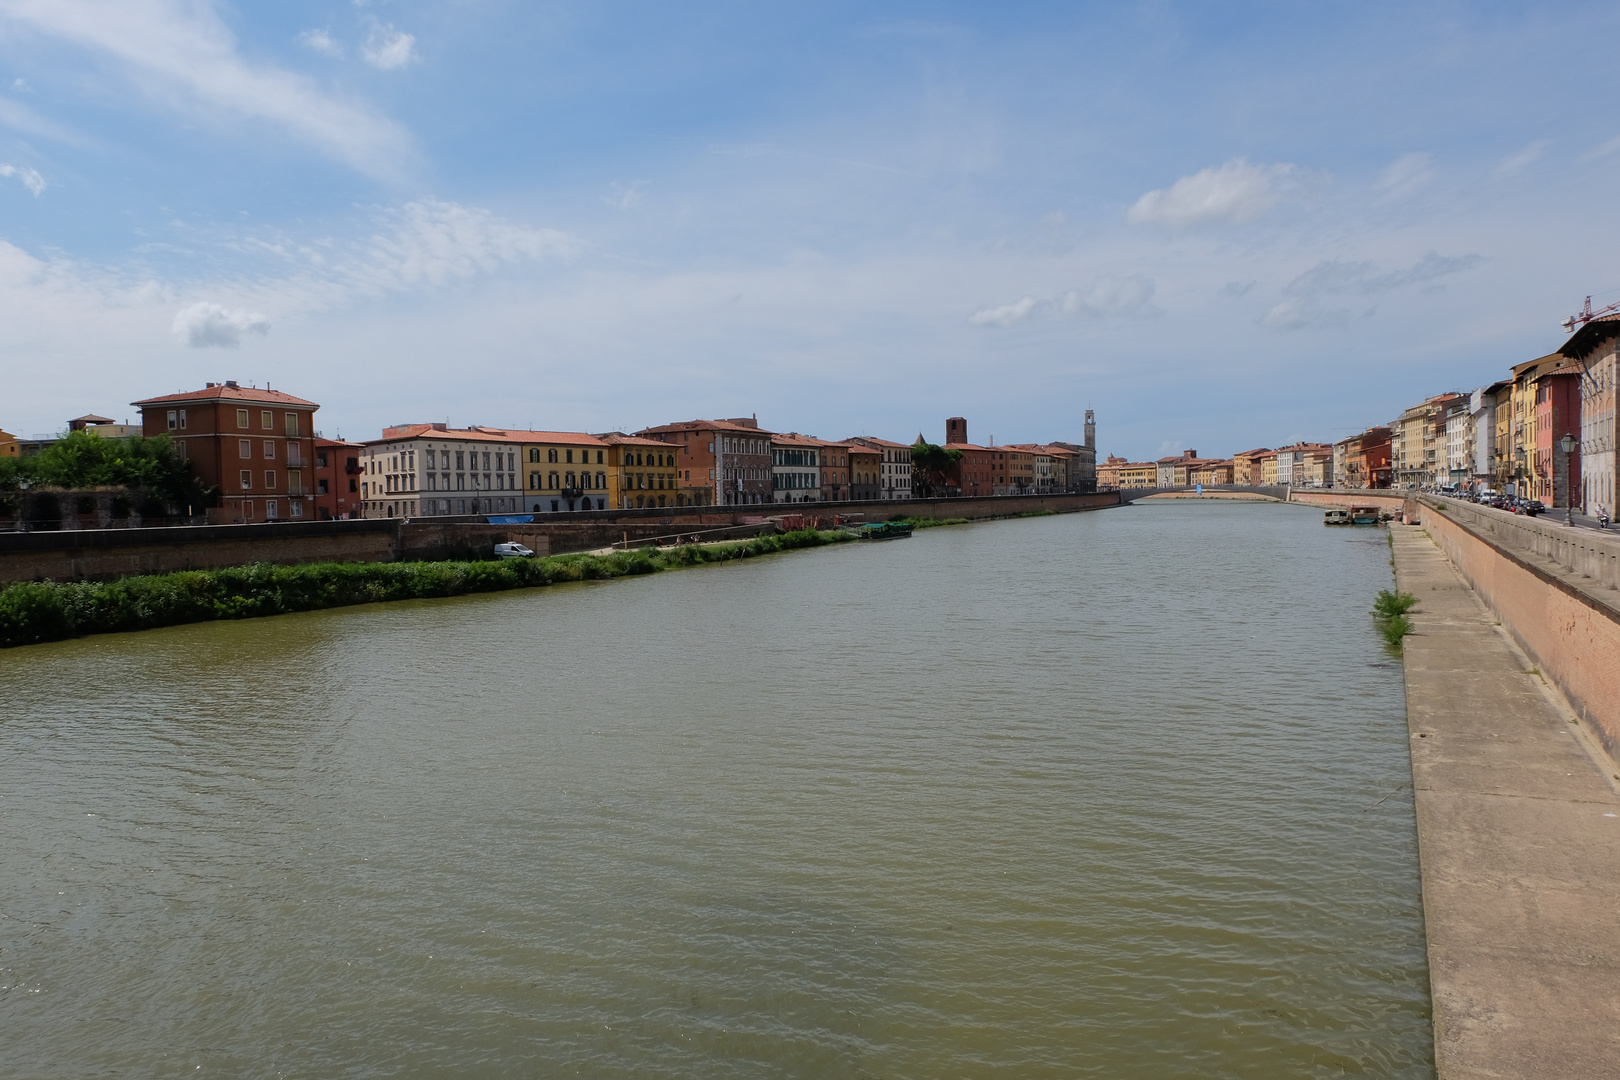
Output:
x=1568 y=444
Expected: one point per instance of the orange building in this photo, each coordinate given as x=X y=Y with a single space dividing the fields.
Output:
x=730 y=459
x=255 y=447
x=337 y=478
x=865 y=472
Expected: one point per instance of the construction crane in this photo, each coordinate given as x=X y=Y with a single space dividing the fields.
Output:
x=1586 y=315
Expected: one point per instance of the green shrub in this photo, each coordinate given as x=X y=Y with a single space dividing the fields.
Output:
x=1387 y=604
x=48 y=611
x=1394 y=629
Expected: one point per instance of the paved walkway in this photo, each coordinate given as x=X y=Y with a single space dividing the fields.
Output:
x=1519 y=837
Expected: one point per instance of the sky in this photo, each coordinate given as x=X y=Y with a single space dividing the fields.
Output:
x=1220 y=226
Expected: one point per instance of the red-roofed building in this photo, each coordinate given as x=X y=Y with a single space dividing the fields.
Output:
x=731 y=458
x=337 y=478
x=894 y=476
x=255 y=447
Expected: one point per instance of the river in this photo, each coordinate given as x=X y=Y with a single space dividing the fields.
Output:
x=1115 y=794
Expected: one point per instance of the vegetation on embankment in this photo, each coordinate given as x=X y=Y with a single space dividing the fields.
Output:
x=929 y=523
x=33 y=612
x=1389 y=614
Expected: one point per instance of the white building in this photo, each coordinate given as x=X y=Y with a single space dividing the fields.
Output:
x=1482 y=414
x=795 y=469
x=432 y=470
x=1459 y=451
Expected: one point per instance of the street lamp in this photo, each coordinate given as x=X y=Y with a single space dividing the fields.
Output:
x=1568 y=444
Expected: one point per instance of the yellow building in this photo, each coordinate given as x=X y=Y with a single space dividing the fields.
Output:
x=1138 y=474
x=563 y=470
x=648 y=472
x=10 y=446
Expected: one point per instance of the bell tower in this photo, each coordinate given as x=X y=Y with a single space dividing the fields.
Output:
x=1091 y=430
x=955 y=430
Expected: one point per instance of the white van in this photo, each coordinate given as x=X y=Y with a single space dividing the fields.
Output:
x=513 y=551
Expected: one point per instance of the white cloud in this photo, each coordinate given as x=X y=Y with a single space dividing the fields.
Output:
x=205 y=324
x=1297 y=313
x=1336 y=277
x=1405 y=175
x=321 y=42
x=1106 y=297
x=1519 y=159
x=1006 y=314
x=29 y=177
x=387 y=48
x=1237 y=191
x=181 y=55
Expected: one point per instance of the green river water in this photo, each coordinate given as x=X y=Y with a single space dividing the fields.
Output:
x=1116 y=794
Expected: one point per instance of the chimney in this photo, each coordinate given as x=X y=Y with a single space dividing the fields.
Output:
x=955 y=430
x=232 y=384
x=440 y=427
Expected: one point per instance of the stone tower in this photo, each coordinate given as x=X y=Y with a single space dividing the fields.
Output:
x=1091 y=430
x=955 y=430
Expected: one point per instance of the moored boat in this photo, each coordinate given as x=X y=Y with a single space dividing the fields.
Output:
x=884 y=530
x=1336 y=517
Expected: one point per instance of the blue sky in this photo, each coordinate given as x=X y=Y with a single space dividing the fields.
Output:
x=1221 y=226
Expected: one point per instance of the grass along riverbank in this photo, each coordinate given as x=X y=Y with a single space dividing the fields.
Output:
x=32 y=612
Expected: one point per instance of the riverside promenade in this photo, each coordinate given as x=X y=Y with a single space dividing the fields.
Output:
x=1519 y=838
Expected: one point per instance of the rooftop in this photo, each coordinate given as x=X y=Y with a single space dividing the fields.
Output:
x=230 y=391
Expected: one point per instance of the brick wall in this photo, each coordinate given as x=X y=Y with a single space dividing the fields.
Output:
x=1569 y=625
x=106 y=554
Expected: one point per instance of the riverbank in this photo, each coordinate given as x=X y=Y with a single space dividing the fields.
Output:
x=1519 y=843
x=35 y=612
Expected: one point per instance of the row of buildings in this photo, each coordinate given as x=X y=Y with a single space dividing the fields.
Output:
x=260 y=451
x=1299 y=465
x=1510 y=436
x=1546 y=431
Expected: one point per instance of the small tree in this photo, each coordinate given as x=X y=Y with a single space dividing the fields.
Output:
x=932 y=465
x=82 y=460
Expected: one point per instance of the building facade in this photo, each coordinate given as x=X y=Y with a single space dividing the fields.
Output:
x=337 y=478
x=865 y=471
x=796 y=469
x=255 y=447
x=1596 y=348
x=894 y=469
x=730 y=458
x=434 y=470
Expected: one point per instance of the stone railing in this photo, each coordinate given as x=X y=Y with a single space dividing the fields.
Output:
x=1587 y=552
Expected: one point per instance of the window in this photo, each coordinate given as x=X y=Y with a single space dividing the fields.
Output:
x=247 y=479
x=296 y=509
x=292 y=428
x=458 y=460
x=270 y=479
x=534 y=454
x=270 y=511
x=601 y=481
x=182 y=419
x=552 y=481
x=241 y=418
x=320 y=459
x=551 y=455
x=269 y=450
x=570 y=456
x=486 y=460
x=599 y=457
x=534 y=477
x=321 y=487
x=174 y=419
x=267 y=420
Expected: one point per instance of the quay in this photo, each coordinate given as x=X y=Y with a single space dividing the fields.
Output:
x=1518 y=820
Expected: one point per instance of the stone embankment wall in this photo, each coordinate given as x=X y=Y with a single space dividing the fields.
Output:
x=106 y=554
x=1384 y=500
x=1555 y=589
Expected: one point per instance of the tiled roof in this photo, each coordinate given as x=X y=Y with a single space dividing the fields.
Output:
x=222 y=392
x=619 y=438
x=706 y=425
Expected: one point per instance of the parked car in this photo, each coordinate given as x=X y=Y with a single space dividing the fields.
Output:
x=513 y=551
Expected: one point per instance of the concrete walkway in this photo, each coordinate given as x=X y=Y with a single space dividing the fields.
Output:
x=1519 y=837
